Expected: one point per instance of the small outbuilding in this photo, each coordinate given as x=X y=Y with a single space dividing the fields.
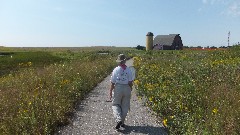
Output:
x=168 y=42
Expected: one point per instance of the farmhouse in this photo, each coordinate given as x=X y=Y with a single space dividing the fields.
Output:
x=163 y=42
x=168 y=42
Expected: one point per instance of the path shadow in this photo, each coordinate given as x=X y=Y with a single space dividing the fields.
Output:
x=149 y=130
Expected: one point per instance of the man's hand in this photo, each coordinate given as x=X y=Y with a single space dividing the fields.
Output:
x=110 y=96
x=130 y=83
x=110 y=91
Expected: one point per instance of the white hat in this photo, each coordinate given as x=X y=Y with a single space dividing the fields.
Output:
x=121 y=57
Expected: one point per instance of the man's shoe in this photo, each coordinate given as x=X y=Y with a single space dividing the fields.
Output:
x=119 y=124
x=123 y=125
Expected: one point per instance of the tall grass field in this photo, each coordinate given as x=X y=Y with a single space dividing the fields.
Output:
x=38 y=89
x=193 y=92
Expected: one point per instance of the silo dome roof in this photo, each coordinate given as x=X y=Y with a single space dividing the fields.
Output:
x=149 y=34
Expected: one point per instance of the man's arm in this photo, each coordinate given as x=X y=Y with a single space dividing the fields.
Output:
x=111 y=89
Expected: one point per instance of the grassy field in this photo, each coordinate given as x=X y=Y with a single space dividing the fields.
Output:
x=38 y=89
x=13 y=61
x=194 y=92
x=64 y=49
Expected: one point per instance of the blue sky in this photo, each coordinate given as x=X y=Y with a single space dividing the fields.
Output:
x=76 y=23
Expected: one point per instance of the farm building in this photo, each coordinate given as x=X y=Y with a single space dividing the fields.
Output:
x=168 y=42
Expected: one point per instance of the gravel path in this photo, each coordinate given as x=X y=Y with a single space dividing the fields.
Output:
x=94 y=116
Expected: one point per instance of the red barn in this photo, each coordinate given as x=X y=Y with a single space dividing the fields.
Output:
x=168 y=42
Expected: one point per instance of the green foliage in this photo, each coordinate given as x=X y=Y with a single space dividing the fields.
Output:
x=195 y=92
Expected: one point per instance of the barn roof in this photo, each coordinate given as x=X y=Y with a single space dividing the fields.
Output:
x=164 y=39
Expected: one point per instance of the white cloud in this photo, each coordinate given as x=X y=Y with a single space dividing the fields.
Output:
x=204 y=1
x=213 y=2
x=230 y=7
x=234 y=9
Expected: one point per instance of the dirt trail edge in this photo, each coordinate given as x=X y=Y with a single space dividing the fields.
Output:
x=94 y=115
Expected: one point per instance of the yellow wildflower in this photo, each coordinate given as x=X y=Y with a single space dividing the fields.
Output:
x=65 y=82
x=214 y=111
x=150 y=98
x=149 y=86
x=165 y=122
x=136 y=82
x=29 y=64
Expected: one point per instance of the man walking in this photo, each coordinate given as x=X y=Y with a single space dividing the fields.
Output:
x=120 y=90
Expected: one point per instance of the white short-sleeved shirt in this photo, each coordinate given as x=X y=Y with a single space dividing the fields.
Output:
x=121 y=76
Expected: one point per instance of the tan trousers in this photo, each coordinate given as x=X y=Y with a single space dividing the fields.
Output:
x=121 y=101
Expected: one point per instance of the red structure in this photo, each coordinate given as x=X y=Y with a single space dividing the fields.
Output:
x=168 y=42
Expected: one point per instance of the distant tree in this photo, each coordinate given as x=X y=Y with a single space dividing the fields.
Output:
x=213 y=47
x=222 y=47
x=140 y=47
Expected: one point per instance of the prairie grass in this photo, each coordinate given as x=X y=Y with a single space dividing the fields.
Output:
x=194 y=92
x=13 y=61
x=35 y=100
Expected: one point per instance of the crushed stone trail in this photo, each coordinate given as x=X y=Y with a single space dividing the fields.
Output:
x=93 y=116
